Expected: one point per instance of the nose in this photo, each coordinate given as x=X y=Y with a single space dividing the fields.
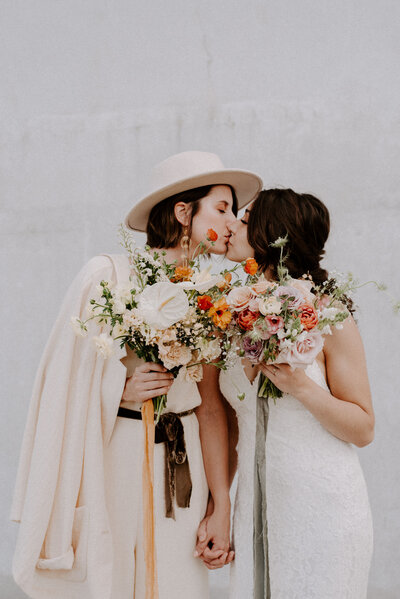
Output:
x=232 y=225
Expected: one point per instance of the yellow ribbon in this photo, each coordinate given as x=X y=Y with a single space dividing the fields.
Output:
x=148 y=500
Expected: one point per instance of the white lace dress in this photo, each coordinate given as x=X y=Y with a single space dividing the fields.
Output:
x=318 y=513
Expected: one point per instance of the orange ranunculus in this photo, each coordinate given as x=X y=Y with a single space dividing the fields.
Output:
x=226 y=282
x=251 y=266
x=220 y=314
x=212 y=235
x=246 y=318
x=204 y=302
x=182 y=273
x=308 y=316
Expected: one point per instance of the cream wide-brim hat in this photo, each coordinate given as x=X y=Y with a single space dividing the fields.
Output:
x=189 y=170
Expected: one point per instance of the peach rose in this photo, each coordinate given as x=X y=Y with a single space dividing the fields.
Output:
x=304 y=287
x=262 y=286
x=238 y=298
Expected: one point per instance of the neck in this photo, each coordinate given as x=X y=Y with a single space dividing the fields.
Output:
x=175 y=253
x=269 y=274
x=172 y=254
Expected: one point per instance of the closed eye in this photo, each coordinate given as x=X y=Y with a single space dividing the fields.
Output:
x=243 y=221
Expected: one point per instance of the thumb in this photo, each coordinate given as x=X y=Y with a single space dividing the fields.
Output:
x=202 y=538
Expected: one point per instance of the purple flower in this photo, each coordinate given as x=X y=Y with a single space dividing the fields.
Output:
x=253 y=350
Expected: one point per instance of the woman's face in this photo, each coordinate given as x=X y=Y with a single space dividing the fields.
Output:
x=238 y=247
x=215 y=212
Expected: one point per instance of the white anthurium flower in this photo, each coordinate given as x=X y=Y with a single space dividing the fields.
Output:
x=163 y=304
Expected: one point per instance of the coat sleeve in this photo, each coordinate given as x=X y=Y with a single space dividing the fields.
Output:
x=50 y=467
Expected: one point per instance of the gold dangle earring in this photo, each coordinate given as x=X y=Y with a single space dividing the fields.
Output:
x=185 y=248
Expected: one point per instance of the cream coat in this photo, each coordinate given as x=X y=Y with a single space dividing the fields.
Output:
x=64 y=546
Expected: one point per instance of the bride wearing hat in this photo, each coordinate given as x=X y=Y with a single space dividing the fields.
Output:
x=78 y=495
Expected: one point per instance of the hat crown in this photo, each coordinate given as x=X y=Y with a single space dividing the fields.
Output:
x=185 y=165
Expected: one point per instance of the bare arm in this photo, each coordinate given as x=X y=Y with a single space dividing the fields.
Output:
x=346 y=410
x=214 y=441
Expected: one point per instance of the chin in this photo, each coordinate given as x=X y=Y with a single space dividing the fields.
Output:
x=231 y=256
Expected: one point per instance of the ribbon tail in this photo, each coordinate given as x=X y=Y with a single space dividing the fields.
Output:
x=169 y=483
x=148 y=500
x=183 y=484
x=262 y=589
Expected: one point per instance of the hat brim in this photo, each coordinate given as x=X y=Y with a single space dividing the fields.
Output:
x=246 y=185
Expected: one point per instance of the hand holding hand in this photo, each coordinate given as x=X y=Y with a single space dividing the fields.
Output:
x=148 y=380
x=213 y=540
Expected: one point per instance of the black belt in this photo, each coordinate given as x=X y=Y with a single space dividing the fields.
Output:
x=169 y=430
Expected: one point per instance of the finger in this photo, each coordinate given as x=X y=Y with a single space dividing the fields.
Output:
x=155 y=393
x=147 y=385
x=211 y=554
x=201 y=546
x=231 y=557
x=156 y=376
x=218 y=563
x=152 y=367
x=202 y=530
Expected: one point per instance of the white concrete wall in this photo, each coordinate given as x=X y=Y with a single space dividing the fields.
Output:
x=306 y=92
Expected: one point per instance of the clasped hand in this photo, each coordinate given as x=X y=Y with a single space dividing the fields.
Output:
x=213 y=545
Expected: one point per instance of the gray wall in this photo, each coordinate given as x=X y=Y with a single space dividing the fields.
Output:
x=306 y=92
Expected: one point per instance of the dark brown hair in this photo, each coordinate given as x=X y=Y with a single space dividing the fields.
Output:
x=163 y=228
x=303 y=218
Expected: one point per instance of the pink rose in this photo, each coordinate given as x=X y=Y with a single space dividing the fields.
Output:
x=274 y=323
x=302 y=353
x=304 y=286
x=238 y=298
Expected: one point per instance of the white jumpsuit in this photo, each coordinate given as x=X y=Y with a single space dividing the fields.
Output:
x=180 y=574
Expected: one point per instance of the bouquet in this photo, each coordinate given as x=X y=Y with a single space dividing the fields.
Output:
x=166 y=313
x=283 y=321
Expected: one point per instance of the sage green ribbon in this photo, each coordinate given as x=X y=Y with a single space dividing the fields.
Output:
x=262 y=588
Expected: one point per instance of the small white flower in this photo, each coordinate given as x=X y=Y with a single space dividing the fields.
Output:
x=104 y=345
x=339 y=325
x=119 y=306
x=326 y=330
x=119 y=330
x=329 y=313
x=78 y=326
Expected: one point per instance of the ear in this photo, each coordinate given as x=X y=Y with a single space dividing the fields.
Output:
x=182 y=213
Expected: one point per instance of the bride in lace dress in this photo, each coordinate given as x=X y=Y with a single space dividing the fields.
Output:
x=315 y=540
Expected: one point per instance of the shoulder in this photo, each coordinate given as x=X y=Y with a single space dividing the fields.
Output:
x=345 y=339
x=103 y=266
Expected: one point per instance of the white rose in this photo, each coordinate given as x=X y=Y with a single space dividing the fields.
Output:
x=163 y=304
x=271 y=305
x=104 y=345
x=210 y=349
x=191 y=374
